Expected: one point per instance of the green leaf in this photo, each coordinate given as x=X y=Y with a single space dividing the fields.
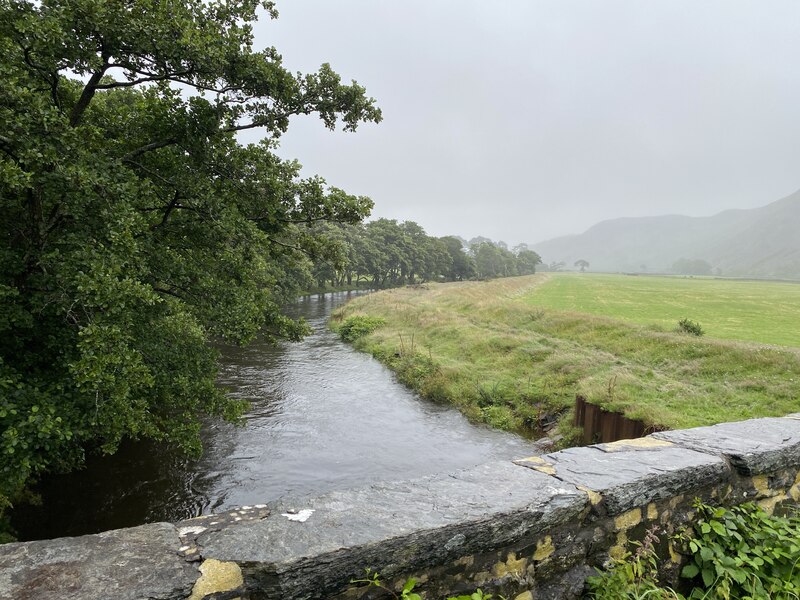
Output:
x=718 y=528
x=690 y=571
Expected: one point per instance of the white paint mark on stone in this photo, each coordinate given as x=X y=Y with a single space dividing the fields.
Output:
x=183 y=548
x=301 y=516
x=560 y=491
x=194 y=529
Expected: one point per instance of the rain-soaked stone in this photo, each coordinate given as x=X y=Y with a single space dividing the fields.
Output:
x=413 y=524
x=631 y=473
x=124 y=564
x=752 y=447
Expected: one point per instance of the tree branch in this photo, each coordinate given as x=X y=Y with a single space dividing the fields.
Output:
x=89 y=90
x=148 y=148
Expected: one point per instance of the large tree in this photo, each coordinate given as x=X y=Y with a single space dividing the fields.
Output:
x=135 y=227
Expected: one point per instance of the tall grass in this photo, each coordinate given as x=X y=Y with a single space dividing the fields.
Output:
x=501 y=356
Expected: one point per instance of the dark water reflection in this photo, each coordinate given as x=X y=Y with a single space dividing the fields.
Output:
x=323 y=417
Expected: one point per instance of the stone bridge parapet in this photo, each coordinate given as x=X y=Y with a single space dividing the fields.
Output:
x=532 y=528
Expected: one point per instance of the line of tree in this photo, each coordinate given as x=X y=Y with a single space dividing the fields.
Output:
x=388 y=253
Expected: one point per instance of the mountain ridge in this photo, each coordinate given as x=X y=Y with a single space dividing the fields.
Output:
x=755 y=242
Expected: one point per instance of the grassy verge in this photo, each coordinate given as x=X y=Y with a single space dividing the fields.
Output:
x=491 y=350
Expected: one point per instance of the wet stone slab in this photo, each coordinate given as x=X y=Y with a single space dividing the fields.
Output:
x=321 y=543
x=752 y=447
x=125 y=564
x=631 y=473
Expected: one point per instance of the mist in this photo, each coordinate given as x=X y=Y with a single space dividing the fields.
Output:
x=522 y=121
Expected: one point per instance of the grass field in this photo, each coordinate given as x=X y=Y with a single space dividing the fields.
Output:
x=504 y=354
x=760 y=311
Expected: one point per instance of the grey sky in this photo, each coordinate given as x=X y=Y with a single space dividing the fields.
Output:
x=523 y=120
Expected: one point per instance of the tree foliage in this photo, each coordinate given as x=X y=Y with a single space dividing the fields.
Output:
x=135 y=226
x=387 y=253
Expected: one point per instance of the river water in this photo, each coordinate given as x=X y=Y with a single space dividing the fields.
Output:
x=322 y=417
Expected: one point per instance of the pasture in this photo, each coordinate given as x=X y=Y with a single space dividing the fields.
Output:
x=767 y=312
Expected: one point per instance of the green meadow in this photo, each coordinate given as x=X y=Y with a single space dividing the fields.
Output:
x=759 y=311
x=515 y=352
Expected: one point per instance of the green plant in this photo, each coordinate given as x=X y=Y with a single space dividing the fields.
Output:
x=373 y=579
x=690 y=327
x=633 y=576
x=358 y=326
x=743 y=552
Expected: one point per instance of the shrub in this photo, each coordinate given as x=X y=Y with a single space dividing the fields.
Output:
x=743 y=552
x=739 y=553
x=690 y=327
x=633 y=576
x=358 y=326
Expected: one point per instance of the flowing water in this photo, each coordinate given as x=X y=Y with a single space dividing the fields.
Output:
x=322 y=417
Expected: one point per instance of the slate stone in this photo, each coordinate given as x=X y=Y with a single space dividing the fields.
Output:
x=752 y=447
x=124 y=564
x=631 y=473
x=391 y=526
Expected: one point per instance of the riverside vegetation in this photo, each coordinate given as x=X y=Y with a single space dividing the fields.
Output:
x=505 y=355
x=739 y=553
x=137 y=228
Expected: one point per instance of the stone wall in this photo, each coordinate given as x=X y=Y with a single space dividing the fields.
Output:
x=531 y=528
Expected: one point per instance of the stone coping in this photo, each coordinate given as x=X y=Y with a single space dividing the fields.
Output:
x=295 y=548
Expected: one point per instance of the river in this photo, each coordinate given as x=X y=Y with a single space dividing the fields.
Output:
x=322 y=417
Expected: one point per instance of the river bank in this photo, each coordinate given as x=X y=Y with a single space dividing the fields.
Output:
x=322 y=417
x=489 y=349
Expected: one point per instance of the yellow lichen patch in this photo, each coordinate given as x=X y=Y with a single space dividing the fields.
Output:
x=544 y=548
x=761 y=483
x=524 y=596
x=794 y=491
x=652 y=512
x=628 y=519
x=617 y=551
x=666 y=517
x=594 y=497
x=216 y=576
x=645 y=442
x=537 y=463
x=674 y=556
x=466 y=561
x=481 y=577
x=768 y=504
x=513 y=566
x=675 y=501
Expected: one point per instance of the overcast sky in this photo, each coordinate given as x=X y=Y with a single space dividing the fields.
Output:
x=524 y=120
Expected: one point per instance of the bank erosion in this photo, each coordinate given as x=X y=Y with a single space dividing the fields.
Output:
x=495 y=351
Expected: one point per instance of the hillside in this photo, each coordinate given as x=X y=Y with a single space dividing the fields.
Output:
x=759 y=242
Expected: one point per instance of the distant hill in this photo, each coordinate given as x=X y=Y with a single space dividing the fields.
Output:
x=758 y=242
